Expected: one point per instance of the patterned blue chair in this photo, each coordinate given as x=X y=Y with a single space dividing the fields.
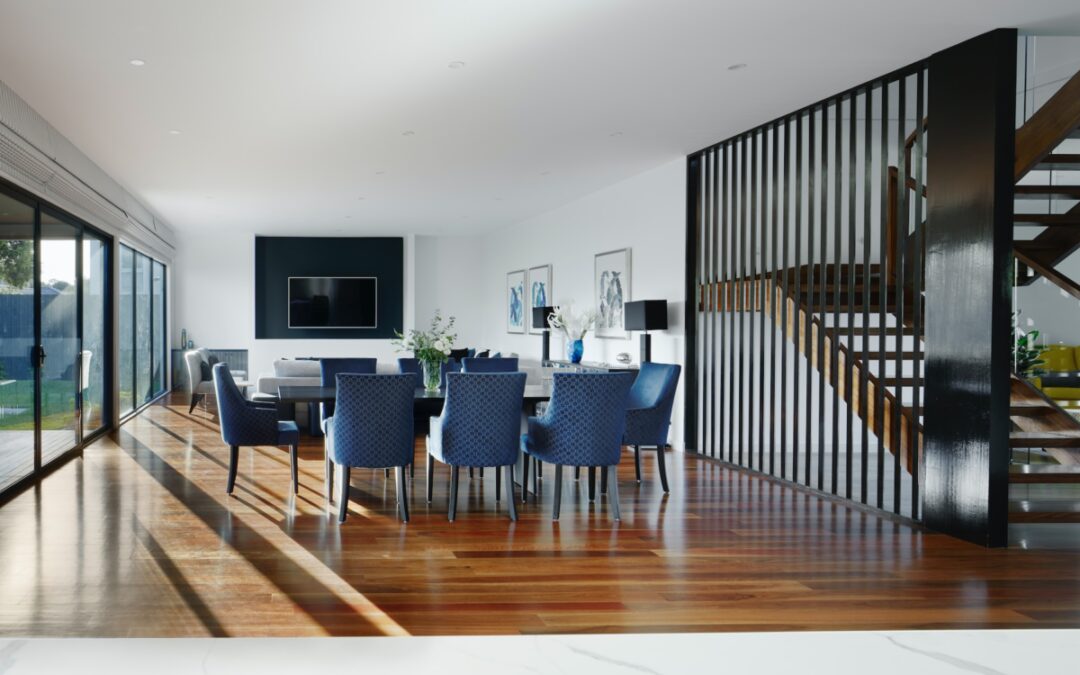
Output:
x=448 y=366
x=648 y=414
x=372 y=428
x=246 y=423
x=480 y=426
x=583 y=426
x=489 y=365
x=329 y=369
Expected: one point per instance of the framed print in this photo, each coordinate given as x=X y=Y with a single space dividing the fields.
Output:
x=515 y=302
x=611 y=292
x=539 y=294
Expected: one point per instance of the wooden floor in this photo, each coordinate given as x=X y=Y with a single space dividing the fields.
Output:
x=139 y=539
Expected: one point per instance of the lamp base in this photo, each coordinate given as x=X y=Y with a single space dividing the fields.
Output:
x=545 y=356
x=646 y=347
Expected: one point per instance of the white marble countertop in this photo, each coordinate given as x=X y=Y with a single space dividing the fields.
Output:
x=1045 y=652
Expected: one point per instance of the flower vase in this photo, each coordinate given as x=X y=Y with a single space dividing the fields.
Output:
x=432 y=375
x=574 y=350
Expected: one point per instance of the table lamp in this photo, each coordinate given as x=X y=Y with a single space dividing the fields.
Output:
x=645 y=315
x=541 y=319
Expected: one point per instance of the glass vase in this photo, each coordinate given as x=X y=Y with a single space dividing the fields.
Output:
x=574 y=350
x=432 y=375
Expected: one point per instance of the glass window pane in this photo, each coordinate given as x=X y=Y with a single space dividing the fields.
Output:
x=95 y=275
x=16 y=339
x=126 y=337
x=158 y=380
x=142 y=330
x=59 y=336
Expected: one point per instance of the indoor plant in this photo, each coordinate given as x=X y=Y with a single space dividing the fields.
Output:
x=574 y=327
x=431 y=347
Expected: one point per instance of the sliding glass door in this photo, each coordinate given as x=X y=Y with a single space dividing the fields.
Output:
x=142 y=330
x=54 y=321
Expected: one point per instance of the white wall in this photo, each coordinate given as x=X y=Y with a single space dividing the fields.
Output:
x=214 y=299
x=645 y=213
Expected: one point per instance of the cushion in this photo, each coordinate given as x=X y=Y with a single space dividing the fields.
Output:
x=483 y=354
x=1058 y=359
x=458 y=354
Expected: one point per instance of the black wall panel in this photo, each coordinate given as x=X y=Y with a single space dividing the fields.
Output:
x=278 y=258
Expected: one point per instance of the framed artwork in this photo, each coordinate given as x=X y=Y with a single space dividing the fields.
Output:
x=611 y=292
x=539 y=294
x=515 y=302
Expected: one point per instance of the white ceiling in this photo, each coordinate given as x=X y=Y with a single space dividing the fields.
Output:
x=290 y=112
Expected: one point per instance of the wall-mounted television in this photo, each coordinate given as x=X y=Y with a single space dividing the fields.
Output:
x=333 y=302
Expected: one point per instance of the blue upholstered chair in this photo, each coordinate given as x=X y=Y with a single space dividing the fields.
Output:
x=489 y=365
x=583 y=426
x=330 y=368
x=411 y=365
x=449 y=366
x=246 y=423
x=372 y=428
x=480 y=426
x=648 y=413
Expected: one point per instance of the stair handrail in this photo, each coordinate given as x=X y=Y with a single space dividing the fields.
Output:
x=1048 y=127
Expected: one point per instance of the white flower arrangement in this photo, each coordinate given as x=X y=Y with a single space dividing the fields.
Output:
x=573 y=326
x=432 y=345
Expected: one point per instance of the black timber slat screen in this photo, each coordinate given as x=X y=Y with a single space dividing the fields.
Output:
x=805 y=281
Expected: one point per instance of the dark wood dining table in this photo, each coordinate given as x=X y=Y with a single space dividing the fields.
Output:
x=534 y=393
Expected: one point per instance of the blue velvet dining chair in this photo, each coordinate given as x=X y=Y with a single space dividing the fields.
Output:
x=582 y=426
x=329 y=369
x=648 y=414
x=245 y=423
x=448 y=366
x=480 y=426
x=490 y=365
x=411 y=365
x=372 y=428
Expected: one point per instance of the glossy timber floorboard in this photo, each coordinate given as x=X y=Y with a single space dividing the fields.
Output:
x=138 y=538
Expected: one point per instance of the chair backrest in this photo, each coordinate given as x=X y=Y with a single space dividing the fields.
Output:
x=193 y=360
x=489 y=365
x=481 y=419
x=655 y=386
x=449 y=366
x=411 y=365
x=329 y=369
x=585 y=420
x=373 y=421
x=239 y=426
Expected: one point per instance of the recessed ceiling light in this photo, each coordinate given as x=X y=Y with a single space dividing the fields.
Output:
x=736 y=66
x=379 y=173
x=456 y=65
x=615 y=134
x=174 y=132
x=137 y=62
x=360 y=199
x=545 y=173
x=408 y=133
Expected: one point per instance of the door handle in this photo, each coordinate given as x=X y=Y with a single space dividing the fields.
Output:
x=38 y=355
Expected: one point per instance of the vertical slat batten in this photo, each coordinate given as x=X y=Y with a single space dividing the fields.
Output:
x=849 y=370
x=798 y=326
x=901 y=227
x=732 y=230
x=864 y=378
x=717 y=284
x=917 y=286
x=883 y=285
x=725 y=319
x=710 y=294
x=763 y=287
x=784 y=304
x=808 y=322
x=753 y=354
x=773 y=277
x=743 y=263
x=823 y=227
x=837 y=296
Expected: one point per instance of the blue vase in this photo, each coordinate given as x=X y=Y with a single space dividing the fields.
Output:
x=574 y=350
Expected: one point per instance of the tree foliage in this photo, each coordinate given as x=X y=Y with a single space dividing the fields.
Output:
x=16 y=262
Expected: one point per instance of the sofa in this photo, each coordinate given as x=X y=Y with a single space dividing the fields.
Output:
x=1061 y=379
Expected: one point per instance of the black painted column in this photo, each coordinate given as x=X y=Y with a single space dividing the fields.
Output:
x=969 y=249
x=693 y=233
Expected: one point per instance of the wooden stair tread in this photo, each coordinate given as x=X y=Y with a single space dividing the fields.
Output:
x=1029 y=408
x=1044 y=473
x=1044 y=192
x=1069 y=438
x=1044 y=511
x=1046 y=219
x=1058 y=162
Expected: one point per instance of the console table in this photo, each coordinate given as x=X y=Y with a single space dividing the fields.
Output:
x=591 y=366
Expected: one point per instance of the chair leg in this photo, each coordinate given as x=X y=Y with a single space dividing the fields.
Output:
x=510 y=490
x=613 y=498
x=577 y=473
x=637 y=462
x=295 y=459
x=592 y=483
x=498 y=483
x=234 y=458
x=430 y=476
x=453 y=493
x=480 y=471
x=470 y=472
x=329 y=479
x=536 y=478
x=524 y=477
x=386 y=473
x=195 y=398
x=603 y=480
x=412 y=468
x=402 y=493
x=663 y=467
x=343 y=494
x=558 y=492
x=539 y=469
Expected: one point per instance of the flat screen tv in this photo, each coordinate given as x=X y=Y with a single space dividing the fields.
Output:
x=333 y=302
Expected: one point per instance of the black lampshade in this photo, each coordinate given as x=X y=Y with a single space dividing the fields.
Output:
x=645 y=315
x=540 y=317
